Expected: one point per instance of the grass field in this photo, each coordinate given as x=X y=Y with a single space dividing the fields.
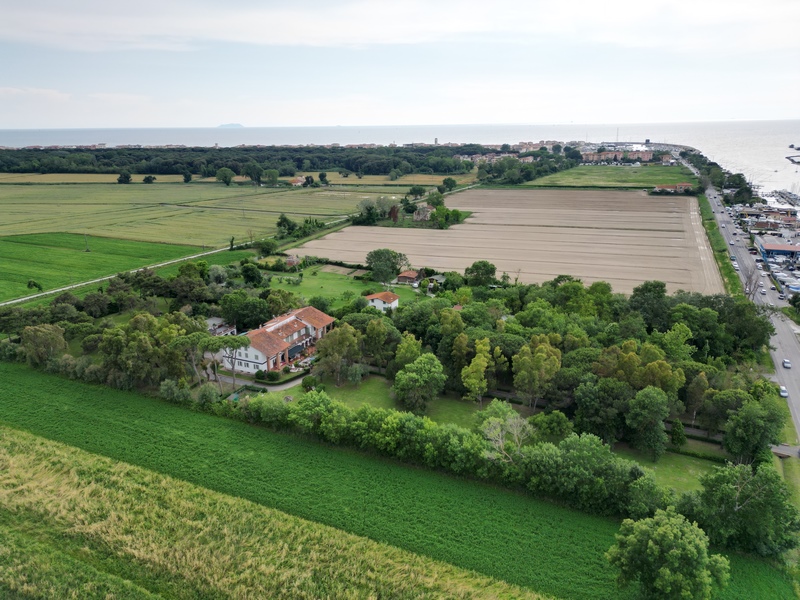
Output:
x=59 y=259
x=332 y=285
x=682 y=473
x=495 y=532
x=76 y=523
x=592 y=176
x=57 y=178
x=199 y=215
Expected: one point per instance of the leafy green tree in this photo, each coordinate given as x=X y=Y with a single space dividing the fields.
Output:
x=252 y=275
x=231 y=344
x=267 y=247
x=602 y=406
x=650 y=300
x=473 y=376
x=677 y=434
x=754 y=428
x=646 y=414
x=42 y=343
x=193 y=345
x=668 y=556
x=385 y=264
x=187 y=177
x=225 y=175
x=416 y=191
x=505 y=430
x=271 y=175
x=449 y=183
x=149 y=178
x=533 y=370
x=124 y=177
x=717 y=405
x=419 y=382
x=376 y=342
x=748 y=510
x=338 y=351
x=254 y=171
x=32 y=283
x=408 y=350
x=480 y=273
x=323 y=177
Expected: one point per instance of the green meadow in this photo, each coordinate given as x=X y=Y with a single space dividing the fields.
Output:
x=494 y=532
x=58 y=259
x=609 y=176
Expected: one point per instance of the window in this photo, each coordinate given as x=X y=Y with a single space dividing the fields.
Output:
x=240 y=363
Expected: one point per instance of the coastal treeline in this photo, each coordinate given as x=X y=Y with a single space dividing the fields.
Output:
x=393 y=162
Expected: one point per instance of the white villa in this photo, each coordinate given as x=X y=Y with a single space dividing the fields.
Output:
x=279 y=341
x=384 y=301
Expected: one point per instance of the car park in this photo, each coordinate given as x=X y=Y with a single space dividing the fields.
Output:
x=787 y=364
x=783 y=391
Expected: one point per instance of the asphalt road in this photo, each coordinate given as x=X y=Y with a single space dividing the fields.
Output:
x=785 y=341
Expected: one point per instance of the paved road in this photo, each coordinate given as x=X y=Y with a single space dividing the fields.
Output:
x=785 y=341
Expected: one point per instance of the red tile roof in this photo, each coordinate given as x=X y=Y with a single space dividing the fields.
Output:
x=314 y=317
x=387 y=297
x=266 y=342
x=409 y=274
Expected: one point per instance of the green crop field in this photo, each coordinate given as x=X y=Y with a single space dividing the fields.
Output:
x=199 y=215
x=77 y=525
x=608 y=176
x=58 y=259
x=493 y=531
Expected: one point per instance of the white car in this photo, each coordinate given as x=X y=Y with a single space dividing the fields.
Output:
x=783 y=392
x=787 y=364
x=731 y=242
x=763 y=292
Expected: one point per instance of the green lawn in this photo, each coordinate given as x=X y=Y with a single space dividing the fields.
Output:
x=58 y=259
x=645 y=176
x=466 y=523
x=680 y=472
x=317 y=282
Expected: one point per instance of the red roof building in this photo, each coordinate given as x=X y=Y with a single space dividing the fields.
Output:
x=384 y=301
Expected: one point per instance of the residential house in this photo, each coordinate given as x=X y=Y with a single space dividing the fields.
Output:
x=384 y=301
x=410 y=277
x=281 y=340
x=298 y=181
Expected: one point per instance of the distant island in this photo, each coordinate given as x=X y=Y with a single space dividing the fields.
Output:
x=230 y=126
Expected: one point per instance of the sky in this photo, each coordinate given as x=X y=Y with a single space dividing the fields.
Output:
x=260 y=63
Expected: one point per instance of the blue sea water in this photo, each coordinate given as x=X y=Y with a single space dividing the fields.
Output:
x=756 y=148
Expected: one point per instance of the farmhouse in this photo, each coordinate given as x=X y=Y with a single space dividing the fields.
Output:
x=409 y=277
x=279 y=341
x=423 y=213
x=384 y=300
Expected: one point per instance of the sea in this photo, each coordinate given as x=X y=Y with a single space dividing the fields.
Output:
x=759 y=149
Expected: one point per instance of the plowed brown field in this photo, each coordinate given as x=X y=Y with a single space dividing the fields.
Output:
x=620 y=237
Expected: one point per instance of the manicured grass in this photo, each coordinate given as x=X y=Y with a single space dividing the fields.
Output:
x=151 y=534
x=680 y=472
x=733 y=285
x=177 y=213
x=465 y=523
x=58 y=259
x=318 y=282
x=645 y=176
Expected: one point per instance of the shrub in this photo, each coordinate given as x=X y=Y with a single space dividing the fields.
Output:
x=273 y=376
x=207 y=394
x=287 y=369
x=260 y=375
x=310 y=382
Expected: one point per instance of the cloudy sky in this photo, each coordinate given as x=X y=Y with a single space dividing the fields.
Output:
x=198 y=63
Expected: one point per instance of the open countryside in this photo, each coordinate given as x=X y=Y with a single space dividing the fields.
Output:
x=611 y=176
x=466 y=523
x=58 y=259
x=193 y=214
x=622 y=237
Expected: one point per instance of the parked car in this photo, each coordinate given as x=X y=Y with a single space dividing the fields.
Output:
x=787 y=364
x=781 y=296
x=772 y=287
x=763 y=292
x=783 y=392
